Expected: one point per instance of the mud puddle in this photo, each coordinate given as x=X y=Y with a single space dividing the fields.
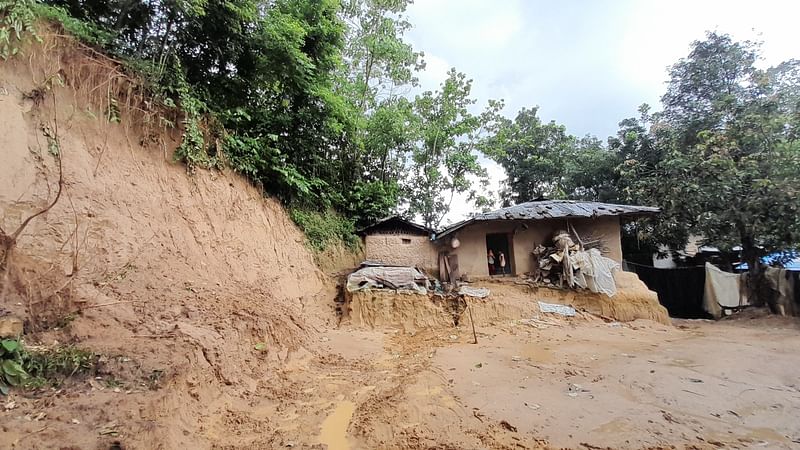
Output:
x=334 y=428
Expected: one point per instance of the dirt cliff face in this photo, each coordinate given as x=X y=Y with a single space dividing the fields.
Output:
x=180 y=276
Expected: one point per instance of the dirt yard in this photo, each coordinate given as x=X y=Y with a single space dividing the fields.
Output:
x=571 y=383
x=700 y=384
x=732 y=384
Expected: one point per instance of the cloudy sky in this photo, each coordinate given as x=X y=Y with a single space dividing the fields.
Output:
x=586 y=64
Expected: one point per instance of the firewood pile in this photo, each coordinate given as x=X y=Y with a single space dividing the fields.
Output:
x=565 y=264
x=555 y=264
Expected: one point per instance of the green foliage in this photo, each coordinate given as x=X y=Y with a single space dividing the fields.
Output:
x=722 y=158
x=33 y=367
x=85 y=32
x=53 y=365
x=444 y=161
x=17 y=22
x=534 y=155
x=303 y=95
x=11 y=370
x=323 y=229
x=369 y=201
x=193 y=149
x=377 y=59
x=543 y=161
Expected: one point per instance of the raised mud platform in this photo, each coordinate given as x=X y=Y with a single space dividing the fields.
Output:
x=508 y=301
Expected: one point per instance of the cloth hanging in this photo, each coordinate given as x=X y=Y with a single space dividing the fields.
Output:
x=783 y=285
x=722 y=290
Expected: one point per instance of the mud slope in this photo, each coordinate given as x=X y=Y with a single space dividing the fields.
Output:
x=178 y=277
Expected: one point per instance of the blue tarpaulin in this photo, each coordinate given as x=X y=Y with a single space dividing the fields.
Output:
x=790 y=259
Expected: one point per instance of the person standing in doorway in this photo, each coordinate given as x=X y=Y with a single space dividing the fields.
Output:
x=490 y=258
x=502 y=259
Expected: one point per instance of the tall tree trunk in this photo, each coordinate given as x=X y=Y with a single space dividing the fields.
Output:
x=163 y=47
x=757 y=288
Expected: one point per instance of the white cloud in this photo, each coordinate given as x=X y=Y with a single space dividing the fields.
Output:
x=498 y=29
x=435 y=72
x=658 y=34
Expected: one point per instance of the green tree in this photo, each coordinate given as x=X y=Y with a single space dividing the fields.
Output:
x=591 y=171
x=641 y=145
x=377 y=70
x=723 y=158
x=379 y=64
x=445 y=161
x=533 y=154
x=264 y=69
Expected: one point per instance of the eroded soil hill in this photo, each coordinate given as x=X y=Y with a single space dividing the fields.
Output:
x=174 y=278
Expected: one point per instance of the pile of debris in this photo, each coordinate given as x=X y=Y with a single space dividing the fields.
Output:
x=566 y=264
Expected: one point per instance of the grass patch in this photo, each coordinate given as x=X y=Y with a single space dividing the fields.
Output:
x=324 y=229
x=53 y=365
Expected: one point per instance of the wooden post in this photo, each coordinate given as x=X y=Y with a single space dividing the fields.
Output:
x=577 y=236
x=471 y=321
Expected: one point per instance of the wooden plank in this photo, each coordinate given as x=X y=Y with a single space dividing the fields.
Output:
x=452 y=262
x=444 y=271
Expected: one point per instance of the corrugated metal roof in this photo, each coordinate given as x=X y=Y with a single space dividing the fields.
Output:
x=554 y=209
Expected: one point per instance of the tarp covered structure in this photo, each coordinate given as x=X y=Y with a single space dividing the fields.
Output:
x=382 y=277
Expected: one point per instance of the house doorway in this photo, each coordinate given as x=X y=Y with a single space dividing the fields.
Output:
x=499 y=243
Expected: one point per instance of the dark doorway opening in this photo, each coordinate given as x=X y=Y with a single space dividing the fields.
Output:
x=499 y=243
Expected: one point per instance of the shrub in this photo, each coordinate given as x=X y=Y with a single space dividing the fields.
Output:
x=11 y=371
x=323 y=229
x=38 y=367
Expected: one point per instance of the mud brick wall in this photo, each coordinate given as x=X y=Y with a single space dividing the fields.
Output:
x=402 y=249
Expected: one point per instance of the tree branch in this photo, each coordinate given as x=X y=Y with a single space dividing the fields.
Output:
x=8 y=241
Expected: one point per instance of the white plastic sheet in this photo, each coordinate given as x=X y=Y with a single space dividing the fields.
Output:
x=596 y=272
x=473 y=292
x=397 y=278
x=561 y=310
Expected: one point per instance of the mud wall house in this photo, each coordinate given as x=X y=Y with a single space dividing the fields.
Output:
x=397 y=241
x=517 y=230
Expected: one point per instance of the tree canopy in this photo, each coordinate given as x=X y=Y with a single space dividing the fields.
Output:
x=722 y=157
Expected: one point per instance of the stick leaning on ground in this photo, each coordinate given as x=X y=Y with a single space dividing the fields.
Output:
x=472 y=322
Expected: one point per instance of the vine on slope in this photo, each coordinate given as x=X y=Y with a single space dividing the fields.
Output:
x=17 y=22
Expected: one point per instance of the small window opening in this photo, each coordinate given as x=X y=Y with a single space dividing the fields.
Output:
x=406 y=241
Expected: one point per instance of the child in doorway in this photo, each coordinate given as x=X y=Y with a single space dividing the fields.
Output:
x=490 y=258
x=502 y=259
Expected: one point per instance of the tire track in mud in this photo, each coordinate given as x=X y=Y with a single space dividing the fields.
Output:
x=413 y=408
